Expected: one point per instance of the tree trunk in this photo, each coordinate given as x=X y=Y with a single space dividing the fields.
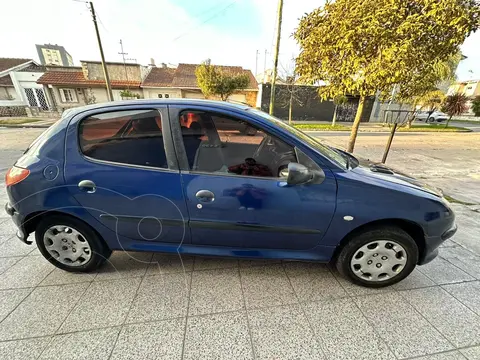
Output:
x=334 y=120
x=356 y=124
x=290 y=108
x=448 y=121
x=412 y=116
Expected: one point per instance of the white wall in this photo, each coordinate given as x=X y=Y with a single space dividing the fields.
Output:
x=152 y=93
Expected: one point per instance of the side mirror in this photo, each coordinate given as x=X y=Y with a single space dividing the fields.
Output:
x=298 y=174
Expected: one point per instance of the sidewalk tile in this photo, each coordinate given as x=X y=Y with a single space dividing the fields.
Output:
x=449 y=316
x=342 y=329
x=266 y=286
x=312 y=281
x=91 y=345
x=42 y=312
x=105 y=303
x=218 y=336
x=170 y=263
x=442 y=272
x=7 y=263
x=472 y=353
x=215 y=291
x=123 y=264
x=414 y=281
x=161 y=297
x=150 y=341
x=28 y=272
x=283 y=332
x=28 y=349
x=467 y=293
x=9 y=300
x=404 y=330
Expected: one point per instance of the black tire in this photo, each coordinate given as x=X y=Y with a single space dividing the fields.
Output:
x=431 y=120
x=393 y=234
x=100 y=252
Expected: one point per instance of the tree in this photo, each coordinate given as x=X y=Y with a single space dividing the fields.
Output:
x=338 y=100
x=455 y=104
x=360 y=47
x=213 y=81
x=295 y=92
x=476 y=105
x=423 y=88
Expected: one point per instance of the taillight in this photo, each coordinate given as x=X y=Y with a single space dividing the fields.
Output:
x=15 y=175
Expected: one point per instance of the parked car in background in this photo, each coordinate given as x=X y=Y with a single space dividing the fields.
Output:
x=428 y=117
x=182 y=176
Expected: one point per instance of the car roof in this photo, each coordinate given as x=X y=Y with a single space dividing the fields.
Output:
x=159 y=102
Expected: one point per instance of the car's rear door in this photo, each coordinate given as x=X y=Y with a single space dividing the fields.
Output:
x=121 y=167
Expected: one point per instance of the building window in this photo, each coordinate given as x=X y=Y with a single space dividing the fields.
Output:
x=160 y=96
x=68 y=95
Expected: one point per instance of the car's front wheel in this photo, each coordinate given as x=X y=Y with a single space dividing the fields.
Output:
x=70 y=244
x=378 y=257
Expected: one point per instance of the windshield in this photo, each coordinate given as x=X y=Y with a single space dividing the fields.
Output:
x=330 y=153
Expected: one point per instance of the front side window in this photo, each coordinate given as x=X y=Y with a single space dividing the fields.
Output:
x=218 y=144
x=126 y=137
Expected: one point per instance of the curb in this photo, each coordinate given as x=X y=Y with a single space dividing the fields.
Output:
x=25 y=126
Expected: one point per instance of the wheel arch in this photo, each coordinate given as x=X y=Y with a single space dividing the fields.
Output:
x=410 y=227
x=33 y=219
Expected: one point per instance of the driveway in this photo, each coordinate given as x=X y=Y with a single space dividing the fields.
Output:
x=149 y=306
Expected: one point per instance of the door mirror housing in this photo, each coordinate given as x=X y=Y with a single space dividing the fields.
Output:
x=298 y=174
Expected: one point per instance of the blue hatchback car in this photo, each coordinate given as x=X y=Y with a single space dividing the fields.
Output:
x=215 y=178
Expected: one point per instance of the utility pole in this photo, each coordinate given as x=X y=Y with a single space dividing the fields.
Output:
x=123 y=53
x=256 y=63
x=275 y=59
x=105 y=72
x=264 y=66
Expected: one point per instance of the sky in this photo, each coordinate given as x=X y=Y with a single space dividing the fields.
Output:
x=229 y=32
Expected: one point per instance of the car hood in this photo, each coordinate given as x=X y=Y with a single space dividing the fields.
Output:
x=382 y=172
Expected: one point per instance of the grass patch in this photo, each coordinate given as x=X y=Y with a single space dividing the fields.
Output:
x=471 y=122
x=322 y=127
x=456 y=201
x=18 y=121
x=434 y=128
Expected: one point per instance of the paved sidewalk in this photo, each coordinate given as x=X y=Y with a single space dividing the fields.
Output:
x=148 y=306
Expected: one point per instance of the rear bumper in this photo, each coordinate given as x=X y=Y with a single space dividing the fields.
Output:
x=432 y=243
x=21 y=233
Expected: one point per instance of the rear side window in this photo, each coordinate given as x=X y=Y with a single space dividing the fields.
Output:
x=124 y=137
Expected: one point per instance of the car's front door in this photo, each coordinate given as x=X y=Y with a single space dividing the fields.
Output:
x=234 y=191
x=123 y=170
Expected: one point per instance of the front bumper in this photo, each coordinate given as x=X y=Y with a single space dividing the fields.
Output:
x=432 y=243
x=21 y=233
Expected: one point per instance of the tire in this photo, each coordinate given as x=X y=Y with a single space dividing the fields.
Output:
x=70 y=237
x=395 y=266
x=431 y=120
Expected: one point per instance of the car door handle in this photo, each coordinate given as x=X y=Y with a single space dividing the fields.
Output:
x=88 y=186
x=205 y=196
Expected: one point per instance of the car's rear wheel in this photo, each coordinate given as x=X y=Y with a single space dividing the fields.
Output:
x=431 y=119
x=70 y=244
x=378 y=257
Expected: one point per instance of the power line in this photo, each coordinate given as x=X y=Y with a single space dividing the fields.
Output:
x=207 y=20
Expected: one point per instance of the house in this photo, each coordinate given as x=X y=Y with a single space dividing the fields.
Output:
x=470 y=88
x=181 y=82
x=19 y=88
x=70 y=86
